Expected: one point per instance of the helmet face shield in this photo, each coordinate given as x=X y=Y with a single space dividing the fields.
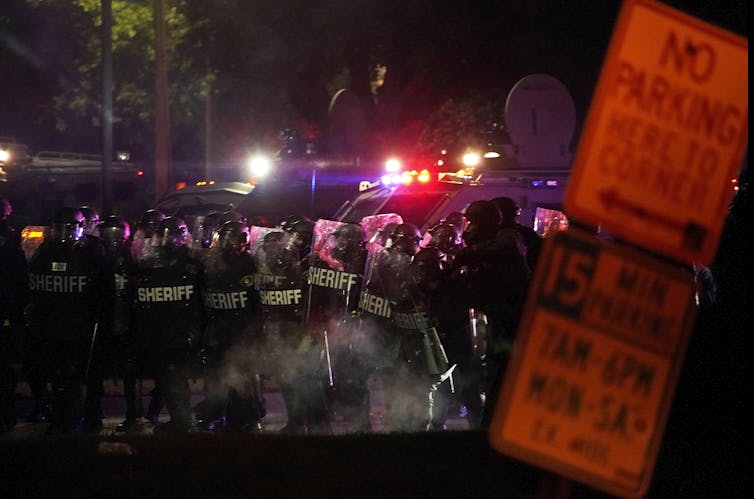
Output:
x=233 y=237
x=65 y=232
x=113 y=237
x=171 y=239
x=68 y=225
x=171 y=234
x=406 y=237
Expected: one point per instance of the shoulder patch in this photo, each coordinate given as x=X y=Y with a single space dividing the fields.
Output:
x=247 y=281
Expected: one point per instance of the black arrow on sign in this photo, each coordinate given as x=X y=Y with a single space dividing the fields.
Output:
x=693 y=233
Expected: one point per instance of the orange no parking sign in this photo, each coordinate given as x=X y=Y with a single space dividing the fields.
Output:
x=665 y=134
x=595 y=365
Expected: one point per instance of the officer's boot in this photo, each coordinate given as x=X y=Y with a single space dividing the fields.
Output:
x=73 y=403
x=133 y=405
x=295 y=408
x=176 y=392
x=93 y=409
x=156 y=402
x=438 y=406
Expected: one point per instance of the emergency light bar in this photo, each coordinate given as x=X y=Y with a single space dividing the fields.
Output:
x=544 y=183
x=406 y=178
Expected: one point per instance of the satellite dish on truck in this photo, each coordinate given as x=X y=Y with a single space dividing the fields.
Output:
x=540 y=117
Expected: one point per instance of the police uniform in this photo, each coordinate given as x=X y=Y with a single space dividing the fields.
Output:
x=13 y=295
x=67 y=285
x=123 y=351
x=291 y=355
x=335 y=277
x=169 y=318
x=232 y=307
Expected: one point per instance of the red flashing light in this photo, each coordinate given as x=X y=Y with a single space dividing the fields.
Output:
x=139 y=173
x=180 y=185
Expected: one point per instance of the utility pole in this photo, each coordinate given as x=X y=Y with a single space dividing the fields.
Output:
x=208 y=167
x=161 y=112
x=106 y=179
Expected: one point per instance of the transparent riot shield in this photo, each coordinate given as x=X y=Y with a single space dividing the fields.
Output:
x=336 y=268
x=141 y=246
x=203 y=235
x=413 y=316
x=375 y=336
x=279 y=277
x=548 y=221
x=256 y=236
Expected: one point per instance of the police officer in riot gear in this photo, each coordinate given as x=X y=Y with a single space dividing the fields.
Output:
x=510 y=211
x=461 y=335
x=335 y=275
x=170 y=316
x=119 y=342
x=233 y=329
x=292 y=354
x=67 y=286
x=13 y=297
x=497 y=284
x=142 y=249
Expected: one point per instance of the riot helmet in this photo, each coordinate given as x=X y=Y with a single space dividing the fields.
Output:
x=509 y=210
x=484 y=221
x=231 y=216
x=205 y=229
x=91 y=219
x=233 y=237
x=382 y=236
x=458 y=219
x=348 y=236
x=303 y=233
x=406 y=237
x=288 y=222
x=444 y=236
x=67 y=225
x=149 y=221
x=427 y=267
x=171 y=234
x=114 y=231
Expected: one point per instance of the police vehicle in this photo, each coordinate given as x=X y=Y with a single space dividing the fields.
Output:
x=424 y=199
x=51 y=179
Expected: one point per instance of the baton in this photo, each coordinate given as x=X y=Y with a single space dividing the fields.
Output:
x=91 y=350
x=329 y=361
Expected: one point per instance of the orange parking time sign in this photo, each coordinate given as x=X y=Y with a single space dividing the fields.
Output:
x=595 y=363
x=666 y=133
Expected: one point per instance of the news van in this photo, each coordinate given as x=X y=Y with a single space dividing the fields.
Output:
x=532 y=170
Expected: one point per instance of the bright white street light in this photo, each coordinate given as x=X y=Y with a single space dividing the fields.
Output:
x=259 y=166
x=4 y=155
x=471 y=159
x=392 y=165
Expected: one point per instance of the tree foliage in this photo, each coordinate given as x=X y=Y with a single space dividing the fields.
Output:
x=274 y=64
